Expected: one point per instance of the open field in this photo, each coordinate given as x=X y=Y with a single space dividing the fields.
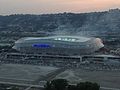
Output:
x=104 y=78
x=23 y=73
x=30 y=74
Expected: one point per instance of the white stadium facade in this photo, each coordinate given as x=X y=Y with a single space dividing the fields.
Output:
x=58 y=45
x=61 y=51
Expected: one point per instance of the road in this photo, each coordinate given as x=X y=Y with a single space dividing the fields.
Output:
x=107 y=88
x=19 y=84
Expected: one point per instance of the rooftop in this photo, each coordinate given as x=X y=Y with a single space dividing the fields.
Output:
x=58 y=38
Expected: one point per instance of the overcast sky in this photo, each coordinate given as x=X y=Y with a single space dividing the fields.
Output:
x=55 y=6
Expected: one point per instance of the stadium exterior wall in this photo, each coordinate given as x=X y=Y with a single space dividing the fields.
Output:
x=58 y=45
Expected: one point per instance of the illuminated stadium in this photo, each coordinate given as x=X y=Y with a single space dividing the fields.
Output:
x=58 y=45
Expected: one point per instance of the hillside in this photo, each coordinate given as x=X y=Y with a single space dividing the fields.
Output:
x=99 y=24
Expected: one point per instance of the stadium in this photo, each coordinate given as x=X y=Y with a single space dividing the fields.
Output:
x=58 y=45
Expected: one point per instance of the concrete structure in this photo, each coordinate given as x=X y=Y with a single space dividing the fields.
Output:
x=58 y=45
x=60 y=61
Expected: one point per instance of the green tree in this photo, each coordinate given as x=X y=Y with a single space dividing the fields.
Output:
x=57 y=84
x=48 y=86
x=87 y=86
x=62 y=84
x=71 y=87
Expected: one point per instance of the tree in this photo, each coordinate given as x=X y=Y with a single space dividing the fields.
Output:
x=87 y=86
x=48 y=86
x=71 y=87
x=62 y=84
x=57 y=84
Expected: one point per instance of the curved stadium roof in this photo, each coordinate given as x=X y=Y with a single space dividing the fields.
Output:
x=59 y=38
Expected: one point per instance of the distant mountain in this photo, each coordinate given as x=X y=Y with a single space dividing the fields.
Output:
x=86 y=24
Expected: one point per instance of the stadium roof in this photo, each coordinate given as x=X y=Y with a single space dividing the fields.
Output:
x=59 y=38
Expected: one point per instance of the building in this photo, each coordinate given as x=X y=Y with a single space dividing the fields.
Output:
x=58 y=45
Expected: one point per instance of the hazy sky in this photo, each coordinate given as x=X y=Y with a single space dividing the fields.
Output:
x=55 y=6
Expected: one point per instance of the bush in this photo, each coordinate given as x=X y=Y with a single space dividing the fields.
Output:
x=57 y=84
x=62 y=84
x=87 y=86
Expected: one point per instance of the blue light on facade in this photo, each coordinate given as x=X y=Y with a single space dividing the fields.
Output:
x=41 y=45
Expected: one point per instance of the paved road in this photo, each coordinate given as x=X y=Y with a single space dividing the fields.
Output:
x=26 y=85
x=107 y=88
